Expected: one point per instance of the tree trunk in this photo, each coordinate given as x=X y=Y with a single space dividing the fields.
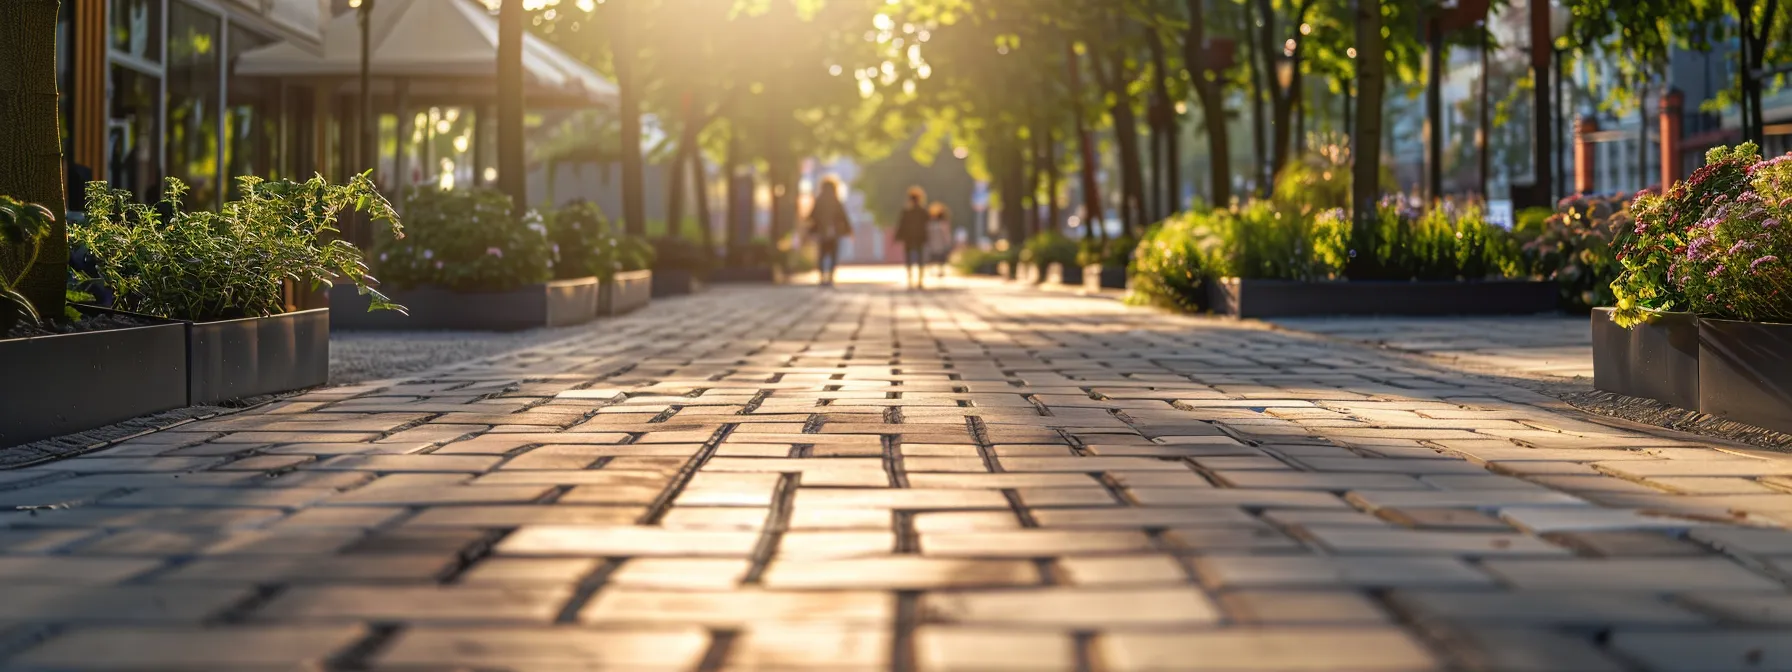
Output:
x=700 y=184
x=1543 y=114
x=1163 y=129
x=628 y=109
x=1126 y=137
x=1366 y=167
x=732 y=225
x=1213 y=111
x=1253 y=65
x=1281 y=100
x=1483 y=121
x=31 y=165
x=675 y=177
x=1054 y=216
x=1091 y=185
x=1434 y=111
x=1013 y=183
x=513 y=178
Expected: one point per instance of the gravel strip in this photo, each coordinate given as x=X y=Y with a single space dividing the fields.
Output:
x=357 y=356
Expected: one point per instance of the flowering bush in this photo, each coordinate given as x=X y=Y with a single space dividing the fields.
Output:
x=202 y=266
x=1046 y=248
x=1703 y=236
x=466 y=240
x=585 y=244
x=1734 y=265
x=1574 y=248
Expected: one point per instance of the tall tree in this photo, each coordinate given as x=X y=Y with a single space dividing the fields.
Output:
x=628 y=108
x=513 y=178
x=1366 y=139
x=31 y=163
x=1208 y=60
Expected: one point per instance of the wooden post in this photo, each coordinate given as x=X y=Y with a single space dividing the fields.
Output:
x=1673 y=105
x=1583 y=154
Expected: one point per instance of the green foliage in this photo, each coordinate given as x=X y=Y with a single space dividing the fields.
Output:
x=466 y=240
x=1449 y=242
x=1574 y=248
x=1530 y=223
x=204 y=266
x=1047 y=248
x=23 y=226
x=977 y=260
x=1716 y=244
x=1168 y=268
x=672 y=253
x=1116 y=251
x=1659 y=249
x=586 y=244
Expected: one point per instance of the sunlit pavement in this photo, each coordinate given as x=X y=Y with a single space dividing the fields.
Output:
x=975 y=476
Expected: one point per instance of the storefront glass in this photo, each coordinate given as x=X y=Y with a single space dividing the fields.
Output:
x=251 y=121
x=132 y=138
x=135 y=29
x=194 y=47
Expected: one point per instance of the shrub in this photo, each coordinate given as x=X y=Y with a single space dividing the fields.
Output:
x=1734 y=264
x=1046 y=248
x=973 y=260
x=1573 y=247
x=1168 y=268
x=23 y=227
x=1449 y=242
x=204 y=266
x=1116 y=251
x=585 y=244
x=671 y=253
x=466 y=240
x=1658 y=255
x=757 y=253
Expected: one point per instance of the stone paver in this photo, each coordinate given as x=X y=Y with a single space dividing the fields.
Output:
x=978 y=477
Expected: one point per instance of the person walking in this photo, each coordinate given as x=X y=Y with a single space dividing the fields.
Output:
x=827 y=225
x=939 y=235
x=911 y=231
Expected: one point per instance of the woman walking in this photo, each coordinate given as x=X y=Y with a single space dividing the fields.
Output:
x=827 y=225
x=939 y=235
x=911 y=231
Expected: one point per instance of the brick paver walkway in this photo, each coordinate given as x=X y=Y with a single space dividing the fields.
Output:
x=869 y=479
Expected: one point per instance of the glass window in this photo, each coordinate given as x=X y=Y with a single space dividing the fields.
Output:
x=136 y=28
x=193 y=103
x=251 y=121
x=132 y=134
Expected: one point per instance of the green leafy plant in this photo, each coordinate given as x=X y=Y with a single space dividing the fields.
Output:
x=585 y=244
x=23 y=226
x=208 y=266
x=1573 y=247
x=673 y=253
x=1047 y=248
x=1657 y=254
x=466 y=240
x=974 y=260
x=1171 y=266
x=1116 y=251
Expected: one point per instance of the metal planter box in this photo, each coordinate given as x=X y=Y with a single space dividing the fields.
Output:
x=675 y=282
x=1062 y=274
x=554 y=304
x=628 y=291
x=1238 y=297
x=1097 y=277
x=56 y=385
x=255 y=356
x=1745 y=372
x=763 y=274
x=1658 y=359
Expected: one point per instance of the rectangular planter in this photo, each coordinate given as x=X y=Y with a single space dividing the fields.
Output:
x=765 y=274
x=1061 y=274
x=1292 y=298
x=68 y=383
x=1658 y=359
x=627 y=292
x=255 y=356
x=1097 y=277
x=1745 y=372
x=554 y=304
x=675 y=282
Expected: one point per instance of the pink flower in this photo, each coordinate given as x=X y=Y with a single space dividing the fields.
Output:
x=1763 y=260
x=438 y=265
x=495 y=252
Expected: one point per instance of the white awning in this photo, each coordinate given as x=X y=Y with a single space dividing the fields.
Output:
x=424 y=40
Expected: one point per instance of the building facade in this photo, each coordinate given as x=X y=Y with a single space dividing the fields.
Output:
x=147 y=93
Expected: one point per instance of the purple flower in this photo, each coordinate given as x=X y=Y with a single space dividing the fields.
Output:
x=1771 y=222
x=1715 y=271
x=1741 y=246
x=1763 y=260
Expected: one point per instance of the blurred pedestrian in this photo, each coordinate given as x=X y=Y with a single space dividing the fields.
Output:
x=827 y=225
x=911 y=231
x=939 y=235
